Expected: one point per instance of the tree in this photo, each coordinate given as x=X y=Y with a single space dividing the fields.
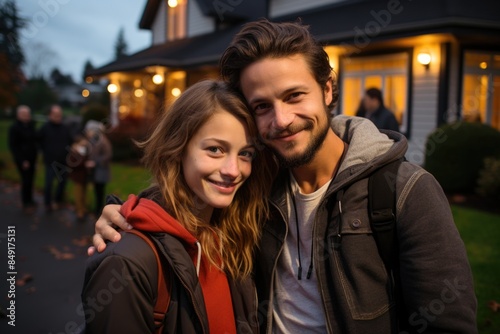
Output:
x=86 y=68
x=40 y=59
x=120 y=45
x=37 y=94
x=59 y=79
x=11 y=53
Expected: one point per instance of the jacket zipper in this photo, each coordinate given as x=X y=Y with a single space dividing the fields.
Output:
x=195 y=305
x=271 y=288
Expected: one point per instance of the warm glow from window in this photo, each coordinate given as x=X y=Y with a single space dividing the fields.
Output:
x=85 y=93
x=138 y=92
x=483 y=65
x=157 y=79
x=176 y=92
x=172 y=3
x=112 y=88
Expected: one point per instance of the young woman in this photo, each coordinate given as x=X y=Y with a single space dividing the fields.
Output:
x=203 y=209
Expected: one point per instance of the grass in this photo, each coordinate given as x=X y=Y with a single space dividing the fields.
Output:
x=479 y=230
x=481 y=234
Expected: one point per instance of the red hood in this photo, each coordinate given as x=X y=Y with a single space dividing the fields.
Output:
x=146 y=215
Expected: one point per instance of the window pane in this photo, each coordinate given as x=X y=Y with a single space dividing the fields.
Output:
x=475 y=97
x=351 y=96
x=388 y=73
x=477 y=60
x=495 y=115
x=395 y=95
x=373 y=81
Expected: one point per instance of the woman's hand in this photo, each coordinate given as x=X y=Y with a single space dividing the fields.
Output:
x=105 y=228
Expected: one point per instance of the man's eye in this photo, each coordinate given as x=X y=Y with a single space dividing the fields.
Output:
x=294 y=95
x=260 y=108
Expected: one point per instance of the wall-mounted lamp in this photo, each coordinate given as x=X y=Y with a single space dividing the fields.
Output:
x=112 y=88
x=424 y=58
x=85 y=93
x=157 y=79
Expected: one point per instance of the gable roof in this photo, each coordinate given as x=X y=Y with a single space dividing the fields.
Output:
x=184 y=53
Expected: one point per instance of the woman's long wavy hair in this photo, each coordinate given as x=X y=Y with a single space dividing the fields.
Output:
x=228 y=241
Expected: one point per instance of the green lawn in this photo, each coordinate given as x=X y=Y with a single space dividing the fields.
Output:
x=481 y=234
x=479 y=230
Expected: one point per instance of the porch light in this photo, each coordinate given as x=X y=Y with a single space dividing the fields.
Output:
x=157 y=79
x=85 y=93
x=172 y=3
x=176 y=92
x=112 y=88
x=424 y=58
x=483 y=65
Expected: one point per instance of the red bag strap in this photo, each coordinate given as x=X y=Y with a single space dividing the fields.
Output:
x=164 y=286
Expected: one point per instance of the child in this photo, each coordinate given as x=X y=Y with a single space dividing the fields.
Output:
x=205 y=209
x=79 y=174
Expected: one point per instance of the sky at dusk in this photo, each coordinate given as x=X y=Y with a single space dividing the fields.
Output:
x=75 y=30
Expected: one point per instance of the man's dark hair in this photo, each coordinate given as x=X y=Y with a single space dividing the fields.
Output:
x=265 y=39
x=375 y=93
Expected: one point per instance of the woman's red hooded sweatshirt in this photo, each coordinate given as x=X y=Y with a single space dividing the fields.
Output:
x=146 y=215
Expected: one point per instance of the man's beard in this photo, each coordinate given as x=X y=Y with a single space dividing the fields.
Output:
x=310 y=151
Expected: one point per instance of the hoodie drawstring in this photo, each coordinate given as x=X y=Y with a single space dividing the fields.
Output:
x=198 y=261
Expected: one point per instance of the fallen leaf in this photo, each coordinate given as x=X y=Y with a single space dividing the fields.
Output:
x=30 y=290
x=493 y=305
x=24 y=279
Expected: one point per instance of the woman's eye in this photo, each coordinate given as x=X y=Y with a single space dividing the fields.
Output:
x=214 y=149
x=247 y=154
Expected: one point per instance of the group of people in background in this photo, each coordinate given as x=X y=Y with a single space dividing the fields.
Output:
x=83 y=158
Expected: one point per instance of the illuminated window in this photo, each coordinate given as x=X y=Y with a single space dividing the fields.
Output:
x=176 y=19
x=388 y=72
x=481 y=88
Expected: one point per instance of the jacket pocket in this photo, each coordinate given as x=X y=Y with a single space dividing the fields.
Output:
x=358 y=268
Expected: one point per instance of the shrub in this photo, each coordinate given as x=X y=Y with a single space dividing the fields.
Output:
x=455 y=153
x=488 y=183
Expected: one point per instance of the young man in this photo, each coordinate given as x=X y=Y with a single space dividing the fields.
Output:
x=318 y=268
x=22 y=144
x=55 y=139
x=373 y=108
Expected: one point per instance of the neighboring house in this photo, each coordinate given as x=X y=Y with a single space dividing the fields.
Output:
x=385 y=44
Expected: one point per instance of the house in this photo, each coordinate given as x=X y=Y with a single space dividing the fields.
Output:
x=435 y=60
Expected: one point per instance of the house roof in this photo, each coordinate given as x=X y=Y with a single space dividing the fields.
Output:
x=376 y=19
x=184 y=53
x=337 y=23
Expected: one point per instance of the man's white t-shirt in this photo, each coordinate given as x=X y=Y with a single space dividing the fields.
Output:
x=297 y=304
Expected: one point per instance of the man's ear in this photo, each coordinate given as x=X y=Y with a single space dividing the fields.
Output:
x=327 y=92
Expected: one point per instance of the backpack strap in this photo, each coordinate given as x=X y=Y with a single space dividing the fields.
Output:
x=164 y=286
x=382 y=210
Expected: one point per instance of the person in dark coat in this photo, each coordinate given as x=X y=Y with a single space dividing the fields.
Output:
x=22 y=144
x=372 y=107
x=55 y=141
